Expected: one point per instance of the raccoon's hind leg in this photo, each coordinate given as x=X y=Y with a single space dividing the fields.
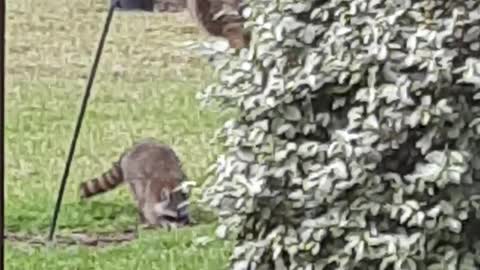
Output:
x=140 y=222
x=141 y=219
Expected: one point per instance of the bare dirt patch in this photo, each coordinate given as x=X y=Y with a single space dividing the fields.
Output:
x=80 y=238
x=77 y=238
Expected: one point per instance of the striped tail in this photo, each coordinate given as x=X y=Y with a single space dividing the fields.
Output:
x=106 y=182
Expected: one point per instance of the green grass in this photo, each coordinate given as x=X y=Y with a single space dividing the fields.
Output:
x=145 y=87
x=151 y=251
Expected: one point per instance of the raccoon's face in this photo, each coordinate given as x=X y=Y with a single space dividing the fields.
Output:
x=172 y=210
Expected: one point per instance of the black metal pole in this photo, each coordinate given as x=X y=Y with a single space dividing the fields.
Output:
x=2 y=125
x=80 y=118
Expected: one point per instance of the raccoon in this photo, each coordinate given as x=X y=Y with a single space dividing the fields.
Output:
x=221 y=18
x=154 y=174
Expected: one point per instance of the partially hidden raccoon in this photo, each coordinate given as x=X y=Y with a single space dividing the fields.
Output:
x=221 y=18
x=154 y=174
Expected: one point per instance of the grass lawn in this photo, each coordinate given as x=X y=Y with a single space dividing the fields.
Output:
x=145 y=87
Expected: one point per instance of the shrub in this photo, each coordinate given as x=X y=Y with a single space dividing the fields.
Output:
x=356 y=142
